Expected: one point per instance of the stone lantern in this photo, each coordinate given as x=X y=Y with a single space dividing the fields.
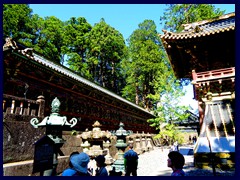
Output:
x=138 y=144
x=48 y=147
x=109 y=159
x=149 y=144
x=121 y=146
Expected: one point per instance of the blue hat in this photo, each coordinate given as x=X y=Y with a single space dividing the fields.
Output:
x=80 y=162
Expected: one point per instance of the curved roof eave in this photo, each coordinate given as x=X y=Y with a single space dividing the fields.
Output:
x=202 y=28
x=63 y=70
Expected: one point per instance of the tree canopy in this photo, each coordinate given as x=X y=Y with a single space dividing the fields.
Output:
x=17 y=21
x=144 y=62
x=177 y=14
x=107 y=49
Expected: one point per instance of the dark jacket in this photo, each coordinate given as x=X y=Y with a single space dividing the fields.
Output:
x=131 y=159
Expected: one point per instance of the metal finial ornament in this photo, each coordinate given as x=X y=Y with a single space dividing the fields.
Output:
x=55 y=105
x=54 y=118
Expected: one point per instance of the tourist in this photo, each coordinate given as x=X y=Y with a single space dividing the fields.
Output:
x=101 y=169
x=130 y=161
x=176 y=146
x=114 y=173
x=194 y=139
x=190 y=139
x=70 y=171
x=176 y=161
x=79 y=165
x=91 y=166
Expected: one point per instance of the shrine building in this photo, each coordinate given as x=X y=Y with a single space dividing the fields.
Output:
x=29 y=76
x=205 y=52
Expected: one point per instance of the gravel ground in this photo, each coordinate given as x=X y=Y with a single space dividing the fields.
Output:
x=154 y=163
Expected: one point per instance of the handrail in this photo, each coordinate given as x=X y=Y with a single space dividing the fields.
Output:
x=22 y=106
x=213 y=75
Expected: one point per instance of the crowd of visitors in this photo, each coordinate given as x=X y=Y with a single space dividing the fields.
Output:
x=192 y=140
x=79 y=164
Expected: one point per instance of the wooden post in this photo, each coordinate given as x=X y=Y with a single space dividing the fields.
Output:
x=4 y=103
x=13 y=106
x=21 y=108
x=28 y=109
x=41 y=103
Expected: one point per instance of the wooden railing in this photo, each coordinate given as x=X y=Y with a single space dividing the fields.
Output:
x=21 y=106
x=213 y=75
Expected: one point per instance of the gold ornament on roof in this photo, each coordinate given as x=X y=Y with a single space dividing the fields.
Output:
x=96 y=124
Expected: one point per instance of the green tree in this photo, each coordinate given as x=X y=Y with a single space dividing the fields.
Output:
x=167 y=98
x=168 y=108
x=17 y=21
x=76 y=43
x=50 y=41
x=177 y=14
x=44 y=35
x=34 y=40
x=106 y=50
x=145 y=60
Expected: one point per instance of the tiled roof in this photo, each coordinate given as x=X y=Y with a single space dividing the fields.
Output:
x=203 y=28
x=68 y=73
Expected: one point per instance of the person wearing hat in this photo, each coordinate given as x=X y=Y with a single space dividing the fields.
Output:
x=176 y=161
x=131 y=161
x=101 y=169
x=79 y=164
x=70 y=171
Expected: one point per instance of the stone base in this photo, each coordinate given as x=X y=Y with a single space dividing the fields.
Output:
x=224 y=161
x=24 y=168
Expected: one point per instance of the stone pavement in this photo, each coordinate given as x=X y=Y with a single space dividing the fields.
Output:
x=154 y=163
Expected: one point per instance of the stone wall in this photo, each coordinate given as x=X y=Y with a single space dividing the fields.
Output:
x=19 y=137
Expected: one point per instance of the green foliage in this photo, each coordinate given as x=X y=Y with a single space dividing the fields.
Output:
x=16 y=21
x=144 y=61
x=177 y=14
x=171 y=133
x=94 y=53
x=51 y=37
x=76 y=44
x=168 y=106
x=106 y=50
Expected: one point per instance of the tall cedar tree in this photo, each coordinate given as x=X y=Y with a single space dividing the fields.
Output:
x=16 y=21
x=76 y=31
x=106 y=50
x=144 y=62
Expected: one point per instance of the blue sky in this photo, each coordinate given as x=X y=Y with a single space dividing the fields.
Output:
x=123 y=17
